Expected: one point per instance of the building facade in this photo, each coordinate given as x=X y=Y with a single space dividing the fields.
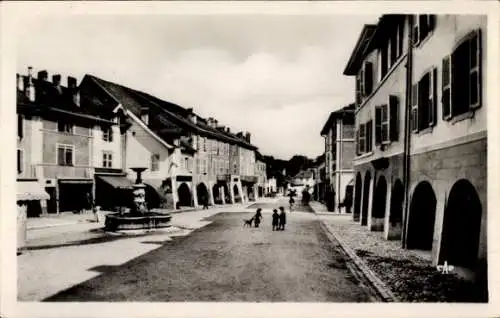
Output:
x=190 y=160
x=58 y=146
x=421 y=135
x=338 y=133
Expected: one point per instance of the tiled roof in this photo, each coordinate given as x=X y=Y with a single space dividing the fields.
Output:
x=134 y=100
x=52 y=99
x=345 y=111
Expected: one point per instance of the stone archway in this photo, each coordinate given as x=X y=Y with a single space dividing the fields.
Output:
x=357 y=197
x=202 y=194
x=422 y=217
x=184 y=195
x=378 y=205
x=461 y=226
x=366 y=196
x=217 y=193
x=396 y=212
x=152 y=197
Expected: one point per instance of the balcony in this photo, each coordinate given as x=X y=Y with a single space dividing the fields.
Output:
x=107 y=170
x=250 y=179
x=54 y=171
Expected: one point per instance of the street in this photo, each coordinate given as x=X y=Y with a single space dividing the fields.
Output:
x=225 y=262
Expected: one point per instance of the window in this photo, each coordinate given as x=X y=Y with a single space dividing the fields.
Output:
x=65 y=155
x=369 y=136
x=424 y=101
x=368 y=79
x=20 y=128
x=384 y=67
x=20 y=161
x=186 y=163
x=387 y=121
x=64 y=127
x=461 y=86
x=401 y=32
x=393 y=118
x=362 y=138
x=155 y=162
x=107 y=159
x=422 y=26
x=107 y=134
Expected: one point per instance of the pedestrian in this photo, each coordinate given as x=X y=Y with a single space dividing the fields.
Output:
x=282 y=222
x=257 y=217
x=276 y=220
x=205 y=203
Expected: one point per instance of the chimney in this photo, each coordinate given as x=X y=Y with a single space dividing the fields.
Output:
x=42 y=75
x=30 y=88
x=56 y=80
x=247 y=137
x=191 y=116
x=71 y=83
x=216 y=122
x=73 y=90
x=20 y=82
x=228 y=130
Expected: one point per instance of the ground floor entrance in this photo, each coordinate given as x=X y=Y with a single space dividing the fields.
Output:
x=73 y=195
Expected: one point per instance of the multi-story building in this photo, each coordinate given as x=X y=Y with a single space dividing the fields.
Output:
x=57 y=146
x=421 y=132
x=260 y=172
x=338 y=132
x=319 y=175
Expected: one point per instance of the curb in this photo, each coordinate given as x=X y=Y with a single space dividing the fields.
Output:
x=380 y=286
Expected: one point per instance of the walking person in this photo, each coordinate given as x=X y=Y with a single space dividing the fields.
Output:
x=276 y=220
x=282 y=222
x=257 y=217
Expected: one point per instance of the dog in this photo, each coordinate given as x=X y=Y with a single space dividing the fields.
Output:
x=248 y=222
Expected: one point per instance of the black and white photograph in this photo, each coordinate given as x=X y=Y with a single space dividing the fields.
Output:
x=268 y=153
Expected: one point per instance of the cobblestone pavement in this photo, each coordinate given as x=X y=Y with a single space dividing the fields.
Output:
x=226 y=262
x=408 y=274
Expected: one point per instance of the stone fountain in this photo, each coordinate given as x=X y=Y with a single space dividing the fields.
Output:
x=139 y=216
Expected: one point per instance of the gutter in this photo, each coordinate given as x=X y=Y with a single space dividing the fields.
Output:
x=407 y=131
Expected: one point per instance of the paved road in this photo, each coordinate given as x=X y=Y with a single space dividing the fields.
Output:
x=282 y=201
x=226 y=262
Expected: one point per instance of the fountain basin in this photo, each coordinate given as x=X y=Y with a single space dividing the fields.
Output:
x=150 y=220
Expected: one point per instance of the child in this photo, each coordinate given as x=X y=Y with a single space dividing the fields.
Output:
x=276 y=220
x=257 y=217
x=282 y=219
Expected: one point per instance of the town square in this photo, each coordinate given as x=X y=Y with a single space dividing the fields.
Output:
x=252 y=158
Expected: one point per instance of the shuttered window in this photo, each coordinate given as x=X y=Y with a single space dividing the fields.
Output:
x=393 y=118
x=414 y=108
x=446 y=87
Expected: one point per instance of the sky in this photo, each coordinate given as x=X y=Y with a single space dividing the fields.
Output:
x=276 y=76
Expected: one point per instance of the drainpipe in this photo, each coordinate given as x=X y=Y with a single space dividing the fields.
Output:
x=407 y=132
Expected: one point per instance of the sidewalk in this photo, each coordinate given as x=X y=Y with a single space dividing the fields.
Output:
x=59 y=257
x=398 y=274
x=319 y=208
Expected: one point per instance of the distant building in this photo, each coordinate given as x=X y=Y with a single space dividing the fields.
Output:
x=260 y=172
x=338 y=132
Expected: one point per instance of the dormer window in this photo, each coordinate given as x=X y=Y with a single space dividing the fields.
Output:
x=107 y=134
x=64 y=127
x=423 y=25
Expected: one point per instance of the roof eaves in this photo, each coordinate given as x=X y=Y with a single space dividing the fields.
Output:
x=149 y=131
x=359 y=48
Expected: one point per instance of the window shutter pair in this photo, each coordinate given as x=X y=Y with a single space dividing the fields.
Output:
x=414 y=108
x=368 y=78
x=393 y=118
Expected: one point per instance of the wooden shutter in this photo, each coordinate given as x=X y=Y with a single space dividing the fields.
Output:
x=358 y=152
x=446 y=87
x=393 y=118
x=368 y=80
x=414 y=108
x=358 y=90
x=60 y=156
x=431 y=20
x=362 y=83
x=433 y=97
x=378 y=125
x=19 y=161
x=416 y=30
x=475 y=86
x=20 y=126
x=401 y=38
